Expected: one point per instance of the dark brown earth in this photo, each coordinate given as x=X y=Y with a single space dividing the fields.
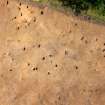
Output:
x=49 y=58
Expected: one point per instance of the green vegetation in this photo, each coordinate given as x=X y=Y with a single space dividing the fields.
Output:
x=93 y=8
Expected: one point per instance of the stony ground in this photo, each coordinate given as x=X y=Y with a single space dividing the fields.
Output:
x=49 y=58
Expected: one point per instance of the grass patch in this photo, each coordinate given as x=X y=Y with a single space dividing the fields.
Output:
x=93 y=13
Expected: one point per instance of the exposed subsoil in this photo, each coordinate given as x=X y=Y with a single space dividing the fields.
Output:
x=49 y=58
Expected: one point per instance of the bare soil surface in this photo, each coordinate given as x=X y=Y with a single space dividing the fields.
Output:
x=49 y=58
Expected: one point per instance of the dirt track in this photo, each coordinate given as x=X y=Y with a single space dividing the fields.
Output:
x=49 y=58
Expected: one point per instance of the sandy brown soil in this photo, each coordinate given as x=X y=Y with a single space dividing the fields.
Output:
x=49 y=58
